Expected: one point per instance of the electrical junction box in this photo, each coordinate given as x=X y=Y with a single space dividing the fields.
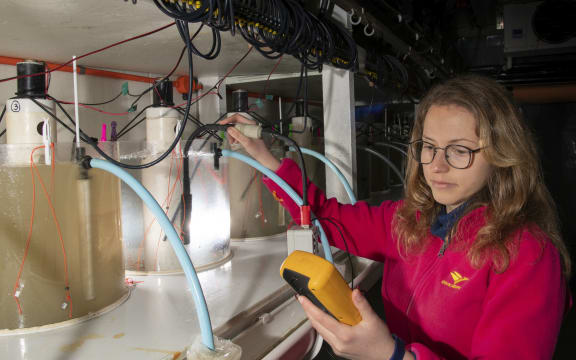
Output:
x=300 y=238
x=521 y=37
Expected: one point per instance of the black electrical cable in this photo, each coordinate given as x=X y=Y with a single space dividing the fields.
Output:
x=83 y=136
x=94 y=144
x=337 y=226
x=299 y=87
x=118 y=136
x=197 y=122
x=300 y=156
x=305 y=105
x=1 y=117
x=156 y=83
x=139 y=96
x=100 y=103
x=126 y=128
x=3 y=112
x=186 y=192
x=273 y=27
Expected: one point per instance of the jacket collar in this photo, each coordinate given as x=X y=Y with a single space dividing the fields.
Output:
x=445 y=221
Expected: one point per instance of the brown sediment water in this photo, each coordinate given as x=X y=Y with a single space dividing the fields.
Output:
x=89 y=215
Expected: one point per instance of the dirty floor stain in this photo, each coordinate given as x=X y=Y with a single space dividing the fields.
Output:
x=157 y=350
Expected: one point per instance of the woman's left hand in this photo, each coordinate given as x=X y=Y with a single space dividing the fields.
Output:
x=369 y=339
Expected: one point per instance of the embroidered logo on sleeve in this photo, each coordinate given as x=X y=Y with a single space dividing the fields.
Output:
x=456 y=278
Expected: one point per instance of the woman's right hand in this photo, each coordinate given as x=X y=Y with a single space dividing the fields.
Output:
x=255 y=147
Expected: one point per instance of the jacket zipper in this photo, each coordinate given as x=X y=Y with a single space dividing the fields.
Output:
x=444 y=246
x=428 y=272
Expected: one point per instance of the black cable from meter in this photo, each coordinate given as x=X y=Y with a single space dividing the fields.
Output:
x=337 y=226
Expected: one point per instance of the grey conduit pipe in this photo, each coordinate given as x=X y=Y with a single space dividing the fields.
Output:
x=385 y=159
x=388 y=145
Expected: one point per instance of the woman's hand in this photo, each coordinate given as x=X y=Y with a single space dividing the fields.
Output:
x=255 y=147
x=369 y=339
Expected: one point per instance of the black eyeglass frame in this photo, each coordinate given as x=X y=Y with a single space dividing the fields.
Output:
x=436 y=148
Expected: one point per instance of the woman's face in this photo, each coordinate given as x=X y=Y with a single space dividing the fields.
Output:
x=445 y=125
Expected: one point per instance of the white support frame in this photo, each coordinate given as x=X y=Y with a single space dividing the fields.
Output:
x=339 y=122
x=211 y=107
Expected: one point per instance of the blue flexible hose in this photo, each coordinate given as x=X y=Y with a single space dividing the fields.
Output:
x=337 y=171
x=293 y=195
x=185 y=262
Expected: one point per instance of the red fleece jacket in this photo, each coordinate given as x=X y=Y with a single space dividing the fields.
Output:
x=441 y=306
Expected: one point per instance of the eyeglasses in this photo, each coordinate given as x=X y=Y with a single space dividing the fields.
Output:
x=457 y=156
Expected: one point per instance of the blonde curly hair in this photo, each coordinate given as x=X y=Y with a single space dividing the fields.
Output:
x=515 y=195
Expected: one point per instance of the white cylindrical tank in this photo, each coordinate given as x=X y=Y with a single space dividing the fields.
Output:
x=206 y=218
x=162 y=181
x=161 y=125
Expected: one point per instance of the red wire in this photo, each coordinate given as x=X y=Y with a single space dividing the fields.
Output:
x=171 y=189
x=92 y=53
x=34 y=172
x=271 y=72
x=93 y=108
x=232 y=69
x=29 y=238
x=260 y=204
x=59 y=230
x=219 y=82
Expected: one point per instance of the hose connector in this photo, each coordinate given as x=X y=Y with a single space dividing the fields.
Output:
x=249 y=130
x=86 y=162
x=217 y=155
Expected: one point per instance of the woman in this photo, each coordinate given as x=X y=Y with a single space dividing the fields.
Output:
x=474 y=266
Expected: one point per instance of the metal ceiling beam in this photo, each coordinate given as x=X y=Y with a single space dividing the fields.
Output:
x=399 y=45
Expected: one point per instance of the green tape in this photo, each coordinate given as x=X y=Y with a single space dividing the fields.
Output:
x=125 y=88
x=133 y=108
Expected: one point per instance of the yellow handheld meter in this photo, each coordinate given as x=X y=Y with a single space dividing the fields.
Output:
x=318 y=280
